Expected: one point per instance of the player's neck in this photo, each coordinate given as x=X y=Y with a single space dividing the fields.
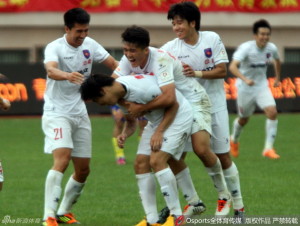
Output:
x=192 y=38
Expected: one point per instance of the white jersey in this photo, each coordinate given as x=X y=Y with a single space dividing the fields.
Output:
x=253 y=64
x=167 y=69
x=203 y=56
x=63 y=97
x=144 y=88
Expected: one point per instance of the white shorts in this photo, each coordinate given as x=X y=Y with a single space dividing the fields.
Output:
x=202 y=115
x=246 y=102
x=72 y=132
x=220 y=132
x=175 y=138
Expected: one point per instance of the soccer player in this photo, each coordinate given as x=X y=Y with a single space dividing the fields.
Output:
x=249 y=65
x=139 y=57
x=65 y=122
x=119 y=121
x=204 y=57
x=4 y=104
x=163 y=138
x=1 y=176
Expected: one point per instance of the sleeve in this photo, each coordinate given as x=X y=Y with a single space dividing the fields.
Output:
x=123 y=68
x=275 y=52
x=164 y=69
x=100 y=53
x=50 y=53
x=220 y=51
x=241 y=53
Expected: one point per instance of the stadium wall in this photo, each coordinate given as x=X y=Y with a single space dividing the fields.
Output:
x=26 y=83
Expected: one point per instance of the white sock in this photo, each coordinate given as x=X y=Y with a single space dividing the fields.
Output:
x=147 y=190
x=185 y=184
x=73 y=190
x=52 y=192
x=233 y=184
x=236 y=131
x=168 y=187
x=217 y=176
x=271 y=132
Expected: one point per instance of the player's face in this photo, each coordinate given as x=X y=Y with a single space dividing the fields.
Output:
x=77 y=34
x=137 y=56
x=182 y=28
x=107 y=99
x=262 y=37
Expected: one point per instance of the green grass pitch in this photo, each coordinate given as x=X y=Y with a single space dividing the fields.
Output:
x=110 y=197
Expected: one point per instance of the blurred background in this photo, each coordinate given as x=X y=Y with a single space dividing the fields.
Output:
x=27 y=26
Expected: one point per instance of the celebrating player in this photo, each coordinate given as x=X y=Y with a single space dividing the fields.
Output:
x=139 y=57
x=163 y=138
x=204 y=57
x=249 y=65
x=65 y=121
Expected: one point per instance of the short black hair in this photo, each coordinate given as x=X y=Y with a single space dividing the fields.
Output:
x=136 y=35
x=260 y=23
x=92 y=87
x=76 y=15
x=186 y=10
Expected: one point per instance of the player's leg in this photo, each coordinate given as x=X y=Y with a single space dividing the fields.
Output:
x=201 y=146
x=246 y=106
x=145 y=179
x=220 y=146
x=195 y=205
x=266 y=101
x=1 y=176
x=81 y=155
x=119 y=120
x=167 y=182
x=58 y=141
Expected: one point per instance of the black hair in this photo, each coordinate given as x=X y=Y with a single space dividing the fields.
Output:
x=260 y=23
x=186 y=10
x=136 y=35
x=92 y=87
x=76 y=15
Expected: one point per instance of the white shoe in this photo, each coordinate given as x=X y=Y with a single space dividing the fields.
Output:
x=190 y=210
x=223 y=207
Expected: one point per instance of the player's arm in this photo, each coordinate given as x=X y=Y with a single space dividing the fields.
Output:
x=220 y=71
x=111 y=63
x=56 y=74
x=164 y=100
x=234 y=69
x=277 y=70
x=128 y=129
x=169 y=116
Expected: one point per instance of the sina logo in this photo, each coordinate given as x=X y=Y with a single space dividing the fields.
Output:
x=208 y=52
x=86 y=53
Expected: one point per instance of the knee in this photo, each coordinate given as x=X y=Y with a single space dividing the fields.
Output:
x=141 y=166
x=271 y=113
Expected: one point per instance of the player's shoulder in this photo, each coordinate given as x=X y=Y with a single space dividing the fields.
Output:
x=57 y=42
x=209 y=34
x=271 y=45
x=247 y=45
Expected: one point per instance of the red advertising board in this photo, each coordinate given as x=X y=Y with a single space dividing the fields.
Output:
x=255 y=6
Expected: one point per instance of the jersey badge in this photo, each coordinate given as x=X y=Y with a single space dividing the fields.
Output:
x=86 y=53
x=208 y=52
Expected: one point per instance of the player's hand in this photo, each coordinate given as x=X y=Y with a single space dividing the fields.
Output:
x=4 y=104
x=156 y=141
x=276 y=83
x=249 y=82
x=121 y=140
x=134 y=109
x=188 y=70
x=75 y=77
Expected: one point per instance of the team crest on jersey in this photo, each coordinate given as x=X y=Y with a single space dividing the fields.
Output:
x=208 y=52
x=86 y=53
x=268 y=55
